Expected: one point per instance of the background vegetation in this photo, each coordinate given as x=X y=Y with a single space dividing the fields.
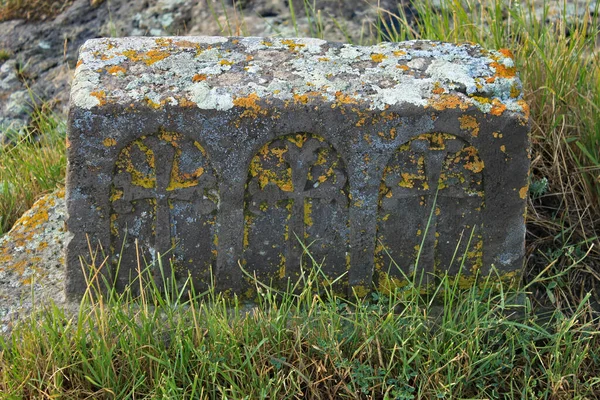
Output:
x=540 y=341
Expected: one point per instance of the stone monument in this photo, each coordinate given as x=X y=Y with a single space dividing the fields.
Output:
x=219 y=153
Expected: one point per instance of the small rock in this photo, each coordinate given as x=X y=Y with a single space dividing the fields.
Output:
x=32 y=269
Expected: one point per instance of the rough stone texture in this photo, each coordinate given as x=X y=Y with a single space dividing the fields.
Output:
x=229 y=150
x=32 y=268
x=44 y=53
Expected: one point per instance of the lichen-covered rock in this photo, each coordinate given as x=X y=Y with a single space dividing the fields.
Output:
x=215 y=152
x=32 y=269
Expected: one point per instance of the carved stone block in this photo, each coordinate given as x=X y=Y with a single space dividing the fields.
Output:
x=218 y=154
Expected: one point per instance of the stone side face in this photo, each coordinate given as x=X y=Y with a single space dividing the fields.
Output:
x=225 y=152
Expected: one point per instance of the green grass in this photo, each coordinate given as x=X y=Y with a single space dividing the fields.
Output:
x=449 y=343
x=35 y=165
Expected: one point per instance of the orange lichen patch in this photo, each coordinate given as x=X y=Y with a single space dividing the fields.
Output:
x=198 y=78
x=226 y=62
x=503 y=71
x=109 y=142
x=446 y=101
x=78 y=63
x=377 y=57
x=115 y=70
x=267 y=43
x=468 y=122
x=301 y=98
x=342 y=99
x=399 y=53
x=148 y=58
x=503 y=148
x=523 y=192
x=525 y=108
x=252 y=109
x=249 y=58
x=154 y=56
x=171 y=137
x=497 y=108
x=506 y=53
x=323 y=59
x=403 y=67
x=292 y=45
x=472 y=161
x=100 y=95
x=438 y=90
x=132 y=55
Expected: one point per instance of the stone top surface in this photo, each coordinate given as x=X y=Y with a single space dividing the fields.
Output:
x=222 y=73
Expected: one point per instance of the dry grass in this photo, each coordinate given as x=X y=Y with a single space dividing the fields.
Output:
x=32 y=10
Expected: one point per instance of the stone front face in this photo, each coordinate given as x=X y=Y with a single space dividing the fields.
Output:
x=220 y=155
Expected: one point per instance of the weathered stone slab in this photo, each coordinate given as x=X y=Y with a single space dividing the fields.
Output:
x=220 y=152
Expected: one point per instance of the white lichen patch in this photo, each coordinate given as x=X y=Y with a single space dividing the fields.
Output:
x=84 y=83
x=212 y=71
x=207 y=98
x=452 y=74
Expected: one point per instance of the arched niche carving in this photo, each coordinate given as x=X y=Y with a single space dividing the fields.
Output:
x=430 y=203
x=297 y=191
x=164 y=196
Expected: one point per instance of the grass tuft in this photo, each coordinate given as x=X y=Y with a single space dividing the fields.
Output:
x=35 y=165
x=171 y=342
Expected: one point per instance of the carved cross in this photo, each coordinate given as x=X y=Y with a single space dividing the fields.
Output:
x=163 y=193
x=300 y=160
x=433 y=164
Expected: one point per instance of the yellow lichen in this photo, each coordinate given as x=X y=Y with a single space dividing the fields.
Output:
x=468 y=122
x=109 y=142
x=360 y=291
x=293 y=46
x=377 y=57
x=307 y=213
x=523 y=192
x=515 y=92
x=148 y=58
